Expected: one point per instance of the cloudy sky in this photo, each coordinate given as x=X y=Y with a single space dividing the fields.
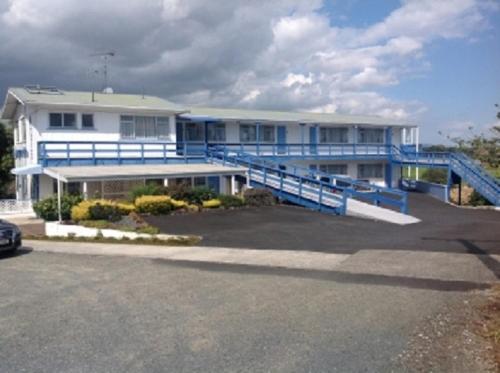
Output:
x=435 y=63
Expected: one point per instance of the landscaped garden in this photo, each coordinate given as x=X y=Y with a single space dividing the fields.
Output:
x=107 y=216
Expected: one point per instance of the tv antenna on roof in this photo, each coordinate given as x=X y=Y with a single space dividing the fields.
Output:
x=106 y=56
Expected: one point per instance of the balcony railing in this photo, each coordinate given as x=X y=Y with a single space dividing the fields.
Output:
x=58 y=153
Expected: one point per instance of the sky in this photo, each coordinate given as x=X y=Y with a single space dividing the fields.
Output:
x=435 y=63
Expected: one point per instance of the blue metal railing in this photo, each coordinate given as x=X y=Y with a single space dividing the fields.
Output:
x=460 y=164
x=302 y=190
x=120 y=152
x=340 y=184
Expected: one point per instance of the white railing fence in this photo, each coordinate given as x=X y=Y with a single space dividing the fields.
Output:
x=13 y=206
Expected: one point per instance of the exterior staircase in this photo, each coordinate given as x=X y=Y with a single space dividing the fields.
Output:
x=458 y=163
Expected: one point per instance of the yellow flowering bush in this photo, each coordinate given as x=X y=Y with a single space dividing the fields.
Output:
x=212 y=203
x=156 y=205
x=83 y=211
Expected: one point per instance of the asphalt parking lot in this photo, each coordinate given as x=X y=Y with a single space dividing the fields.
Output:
x=443 y=228
x=83 y=313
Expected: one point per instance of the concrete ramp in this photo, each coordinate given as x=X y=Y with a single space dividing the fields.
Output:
x=367 y=211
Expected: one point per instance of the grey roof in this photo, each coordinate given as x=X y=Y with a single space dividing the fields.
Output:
x=290 y=116
x=86 y=173
x=79 y=99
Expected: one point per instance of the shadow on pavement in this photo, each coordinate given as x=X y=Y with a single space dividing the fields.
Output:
x=335 y=276
x=19 y=252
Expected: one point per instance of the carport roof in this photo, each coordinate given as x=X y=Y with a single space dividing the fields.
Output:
x=149 y=171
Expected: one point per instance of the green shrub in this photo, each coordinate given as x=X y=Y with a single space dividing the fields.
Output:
x=200 y=194
x=148 y=189
x=435 y=175
x=100 y=224
x=259 y=197
x=47 y=208
x=148 y=229
x=105 y=212
x=229 y=201
x=178 y=191
x=477 y=199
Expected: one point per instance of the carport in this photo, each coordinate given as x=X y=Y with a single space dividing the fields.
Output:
x=97 y=178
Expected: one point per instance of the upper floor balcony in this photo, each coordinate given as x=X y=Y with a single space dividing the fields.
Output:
x=65 y=153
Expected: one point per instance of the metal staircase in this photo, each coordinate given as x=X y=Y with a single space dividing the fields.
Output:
x=308 y=189
x=458 y=163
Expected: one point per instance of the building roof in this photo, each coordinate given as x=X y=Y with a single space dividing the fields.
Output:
x=289 y=116
x=122 y=172
x=79 y=99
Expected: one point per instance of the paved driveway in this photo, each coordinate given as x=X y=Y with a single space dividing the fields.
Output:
x=82 y=313
x=443 y=228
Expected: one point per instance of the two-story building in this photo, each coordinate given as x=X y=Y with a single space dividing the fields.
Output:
x=103 y=144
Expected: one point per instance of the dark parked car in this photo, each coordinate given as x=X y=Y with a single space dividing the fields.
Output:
x=10 y=237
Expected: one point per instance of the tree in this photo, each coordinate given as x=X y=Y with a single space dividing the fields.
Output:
x=6 y=161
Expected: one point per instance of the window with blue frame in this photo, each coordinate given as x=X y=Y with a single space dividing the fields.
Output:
x=333 y=135
x=195 y=132
x=248 y=133
x=216 y=132
x=370 y=135
x=370 y=171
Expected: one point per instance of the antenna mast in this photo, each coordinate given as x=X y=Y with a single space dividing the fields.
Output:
x=106 y=56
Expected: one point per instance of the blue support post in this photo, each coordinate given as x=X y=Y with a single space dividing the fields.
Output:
x=302 y=136
x=119 y=153
x=68 y=156
x=320 y=197
x=257 y=135
x=142 y=153
x=93 y=154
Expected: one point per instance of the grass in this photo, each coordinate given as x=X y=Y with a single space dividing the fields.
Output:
x=179 y=241
x=489 y=325
x=412 y=174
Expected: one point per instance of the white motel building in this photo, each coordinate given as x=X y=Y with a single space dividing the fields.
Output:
x=103 y=144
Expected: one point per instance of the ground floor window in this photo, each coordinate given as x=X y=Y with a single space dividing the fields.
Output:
x=370 y=171
x=199 y=181
x=334 y=169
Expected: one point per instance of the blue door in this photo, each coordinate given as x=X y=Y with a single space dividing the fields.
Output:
x=213 y=183
x=313 y=140
x=281 y=140
x=179 y=134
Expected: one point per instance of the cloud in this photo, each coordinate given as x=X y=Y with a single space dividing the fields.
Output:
x=283 y=54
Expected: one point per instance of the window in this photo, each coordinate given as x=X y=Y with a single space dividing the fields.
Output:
x=87 y=121
x=195 y=132
x=55 y=120
x=266 y=134
x=371 y=136
x=216 y=132
x=248 y=133
x=62 y=120
x=333 y=135
x=333 y=169
x=200 y=181
x=127 y=127
x=162 y=127
x=145 y=127
x=370 y=171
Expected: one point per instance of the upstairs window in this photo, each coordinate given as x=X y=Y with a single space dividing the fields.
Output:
x=127 y=127
x=333 y=135
x=87 y=121
x=266 y=134
x=162 y=127
x=216 y=132
x=370 y=135
x=62 y=120
x=248 y=133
